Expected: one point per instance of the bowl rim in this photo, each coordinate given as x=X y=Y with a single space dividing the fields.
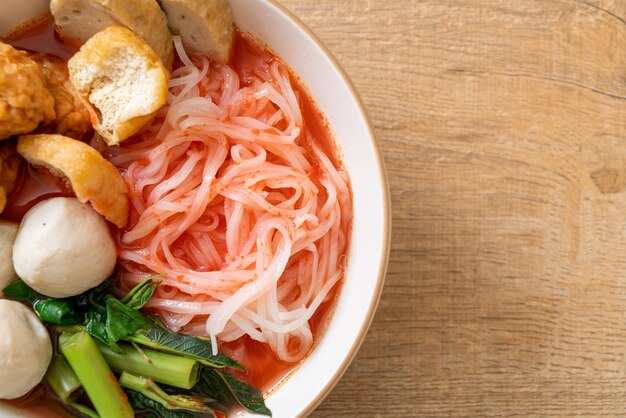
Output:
x=384 y=255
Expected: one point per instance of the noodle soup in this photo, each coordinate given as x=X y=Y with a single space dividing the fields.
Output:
x=239 y=202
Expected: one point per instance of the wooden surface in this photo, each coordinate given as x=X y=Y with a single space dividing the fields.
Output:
x=503 y=126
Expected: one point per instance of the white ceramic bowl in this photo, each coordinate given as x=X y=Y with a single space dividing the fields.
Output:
x=291 y=40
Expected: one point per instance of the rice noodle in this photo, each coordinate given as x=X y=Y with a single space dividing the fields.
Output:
x=236 y=206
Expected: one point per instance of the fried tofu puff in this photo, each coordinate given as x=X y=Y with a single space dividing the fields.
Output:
x=79 y=20
x=122 y=80
x=92 y=178
x=25 y=101
x=9 y=165
x=204 y=26
x=72 y=117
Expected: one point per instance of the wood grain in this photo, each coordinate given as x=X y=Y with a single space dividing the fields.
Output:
x=503 y=128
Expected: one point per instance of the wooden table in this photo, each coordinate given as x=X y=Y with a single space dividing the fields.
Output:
x=503 y=126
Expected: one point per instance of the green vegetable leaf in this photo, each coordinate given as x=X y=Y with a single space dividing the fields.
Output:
x=59 y=312
x=109 y=319
x=189 y=346
x=226 y=389
x=20 y=291
x=53 y=311
x=97 y=295
x=140 y=294
x=122 y=321
x=96 y=326
x=157 y=410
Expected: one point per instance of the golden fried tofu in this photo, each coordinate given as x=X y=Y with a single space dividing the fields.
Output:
x=121 y=79
x=204 y=26
x=25 y=101
x=9 y=165
x=90 y=175
x=79 y=20
x=72 y=117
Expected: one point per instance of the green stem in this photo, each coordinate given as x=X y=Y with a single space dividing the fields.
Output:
x=185 y=346
x=70 y=329
x=137 y=289
x=103 y=389
x=84 y=410
x=62 y=379
x=141 y=294
x=142 y=339
x=151 y=390
x=164 y=368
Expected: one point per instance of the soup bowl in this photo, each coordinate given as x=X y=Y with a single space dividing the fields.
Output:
x=273 y=25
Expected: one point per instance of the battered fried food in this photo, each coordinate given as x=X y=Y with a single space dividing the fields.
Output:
x=79 y=20
x=72 y=117
x=90 y=175
x=204 y=26
x=9 y=165
x=122 y=79
x=25 y=101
